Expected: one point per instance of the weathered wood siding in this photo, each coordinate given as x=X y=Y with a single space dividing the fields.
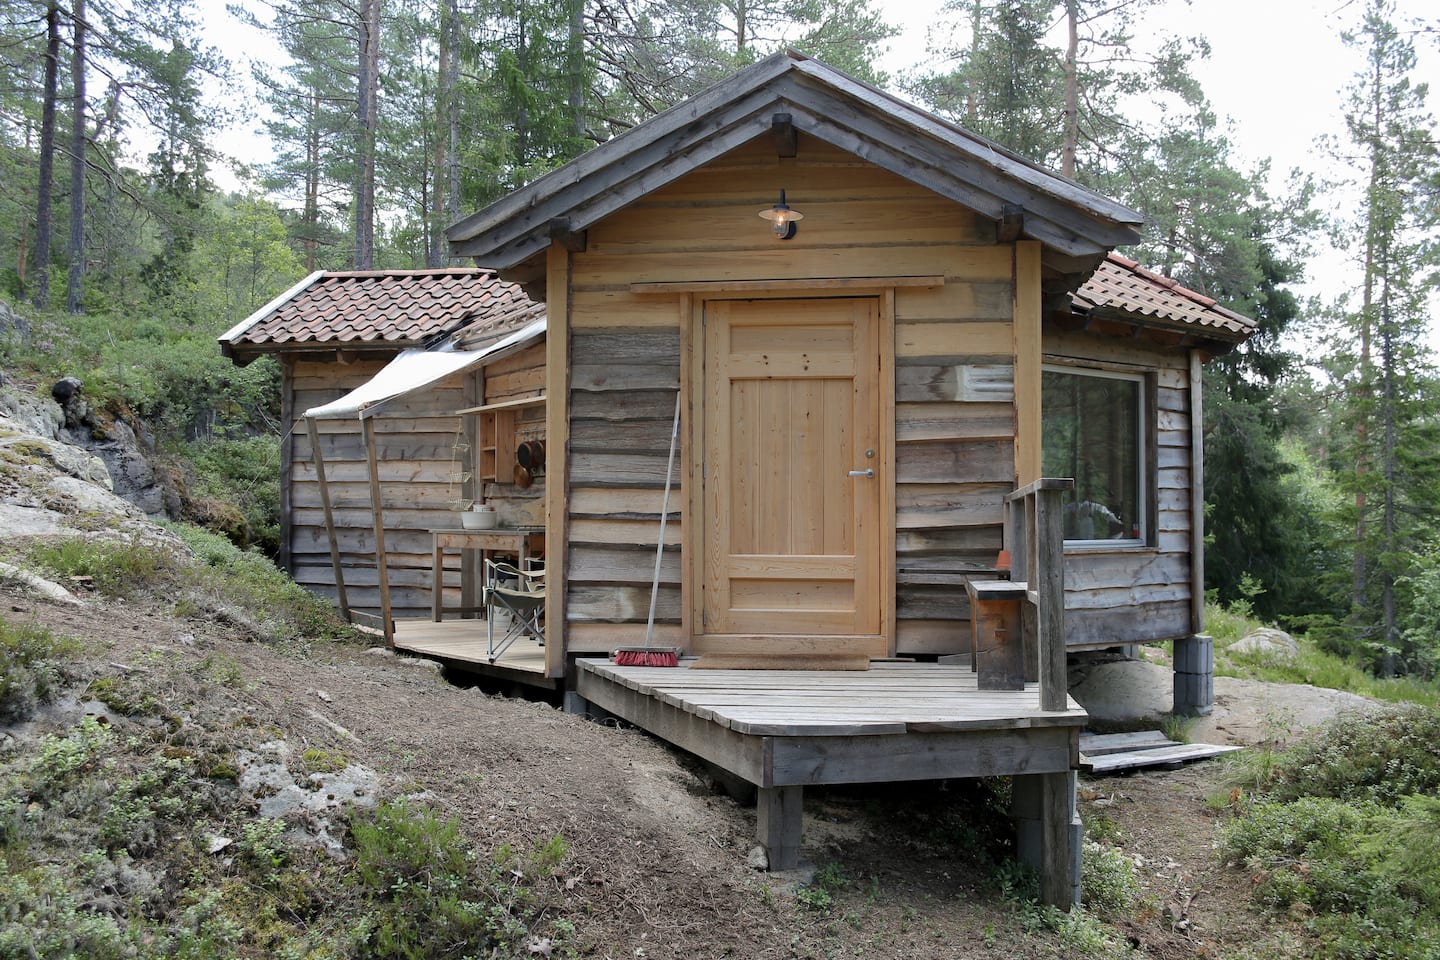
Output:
x=1137 y=594
x=416 y=444
x=954 y=420
x=515 y=377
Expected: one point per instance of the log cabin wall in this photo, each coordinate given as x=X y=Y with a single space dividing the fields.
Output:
x=417 y=453
x=953 y=402
x=1135 y=594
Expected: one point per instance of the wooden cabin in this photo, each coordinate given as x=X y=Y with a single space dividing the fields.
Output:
x=333 y=333
x=919 y=375
x=945 y=321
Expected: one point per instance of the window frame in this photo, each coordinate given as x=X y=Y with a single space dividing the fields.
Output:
x=1145 y=465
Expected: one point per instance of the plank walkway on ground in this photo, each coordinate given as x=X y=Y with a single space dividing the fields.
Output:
x=1114 y=752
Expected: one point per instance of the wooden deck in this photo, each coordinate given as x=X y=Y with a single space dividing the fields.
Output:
x=784 y=730
x=461 y=643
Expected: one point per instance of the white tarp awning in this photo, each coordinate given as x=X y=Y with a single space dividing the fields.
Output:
x=415 y=369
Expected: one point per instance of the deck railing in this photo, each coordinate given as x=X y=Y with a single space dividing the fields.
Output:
x=1035 y=537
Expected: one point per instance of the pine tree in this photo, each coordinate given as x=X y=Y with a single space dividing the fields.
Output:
x=1384 y=457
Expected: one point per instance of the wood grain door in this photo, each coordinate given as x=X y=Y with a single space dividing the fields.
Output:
x=791 y=516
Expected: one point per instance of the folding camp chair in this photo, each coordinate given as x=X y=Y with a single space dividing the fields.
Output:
x=520 y=595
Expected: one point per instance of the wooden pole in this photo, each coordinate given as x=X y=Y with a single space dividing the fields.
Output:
x=329 y=517
x=1049 y=584
x=557 y=446
x=1197 y=496
x=378 y=511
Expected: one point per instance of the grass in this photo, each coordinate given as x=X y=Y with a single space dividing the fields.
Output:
x=1313 y=666
x=34 y=664
x=199 y=574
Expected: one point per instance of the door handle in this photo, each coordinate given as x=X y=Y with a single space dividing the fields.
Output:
x=863 y=473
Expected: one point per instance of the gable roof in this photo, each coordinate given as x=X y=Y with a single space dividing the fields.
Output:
x=384 y=308
x=1122 y=289
x=1073 y=222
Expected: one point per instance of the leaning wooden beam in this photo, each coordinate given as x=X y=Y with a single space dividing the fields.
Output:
x=329 y=518
x=378 y=511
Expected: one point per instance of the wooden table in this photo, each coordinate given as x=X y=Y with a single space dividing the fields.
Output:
x=519 y=542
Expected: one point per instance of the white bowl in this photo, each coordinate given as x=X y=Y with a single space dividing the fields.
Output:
x=478 y=519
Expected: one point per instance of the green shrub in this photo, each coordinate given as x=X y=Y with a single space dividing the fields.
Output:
x=1347 y=834
x=33 y=664
x=247 y=580
x=1108 y=882
x=1381 y=758
x=429 y=897
x=236 y=488
x=1369 y=880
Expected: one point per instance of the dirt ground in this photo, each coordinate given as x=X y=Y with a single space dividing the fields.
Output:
x=657 y=862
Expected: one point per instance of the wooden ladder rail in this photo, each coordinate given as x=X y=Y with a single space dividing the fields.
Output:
x=1035 y=536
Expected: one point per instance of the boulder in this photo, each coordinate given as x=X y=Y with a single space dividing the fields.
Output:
x=13 y=327
x=135 y=477
x=68 y=392
x=1122 y=689
x=22 y=413
x=1267 y=643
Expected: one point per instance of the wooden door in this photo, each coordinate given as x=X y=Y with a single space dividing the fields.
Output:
x=791 y=478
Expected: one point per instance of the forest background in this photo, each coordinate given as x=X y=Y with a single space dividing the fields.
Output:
x=388 y=119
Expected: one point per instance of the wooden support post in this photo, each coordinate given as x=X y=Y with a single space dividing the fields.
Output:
x=1048 y=833
x=779 y=823
x=377 y=509
x=1048 y=585
x=1059 y=841
x=1197 y=496
x=329 y=518
x=557 y=447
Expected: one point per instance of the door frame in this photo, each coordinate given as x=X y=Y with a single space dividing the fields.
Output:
x=692 y=387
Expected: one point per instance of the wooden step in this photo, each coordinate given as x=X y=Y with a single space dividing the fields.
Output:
x=1171 y=755
x=1101 y=744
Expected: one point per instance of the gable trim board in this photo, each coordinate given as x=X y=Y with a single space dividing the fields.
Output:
x=1079 y=225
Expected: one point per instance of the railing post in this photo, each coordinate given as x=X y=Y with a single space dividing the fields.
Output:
x=1047 y=580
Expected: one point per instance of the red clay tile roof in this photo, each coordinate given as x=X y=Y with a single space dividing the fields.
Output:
x=1120 y=285
x=401 y=308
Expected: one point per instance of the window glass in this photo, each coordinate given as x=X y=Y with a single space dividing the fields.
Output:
x=1092 y=430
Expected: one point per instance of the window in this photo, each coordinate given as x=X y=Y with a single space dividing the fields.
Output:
x=1093 y=430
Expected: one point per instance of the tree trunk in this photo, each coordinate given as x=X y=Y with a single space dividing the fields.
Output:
x=75 y=287
x=368 y=112
x=972 y=82
x=47 y=156
x=452 y=112
x=1390 y=630
x=439 y=161
x=575 y=54
x=1360 y=573
x=1072 y=88
x=310 y=217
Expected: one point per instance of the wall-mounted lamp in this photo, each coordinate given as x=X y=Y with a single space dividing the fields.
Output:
x=782 y=218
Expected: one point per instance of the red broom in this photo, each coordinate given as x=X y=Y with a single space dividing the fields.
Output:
x=649 y=655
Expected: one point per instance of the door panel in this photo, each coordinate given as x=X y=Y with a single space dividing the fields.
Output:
x=792 y=407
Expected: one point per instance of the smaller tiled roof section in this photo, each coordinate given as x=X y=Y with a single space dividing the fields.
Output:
x=1120 y=286
x=402 y=308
